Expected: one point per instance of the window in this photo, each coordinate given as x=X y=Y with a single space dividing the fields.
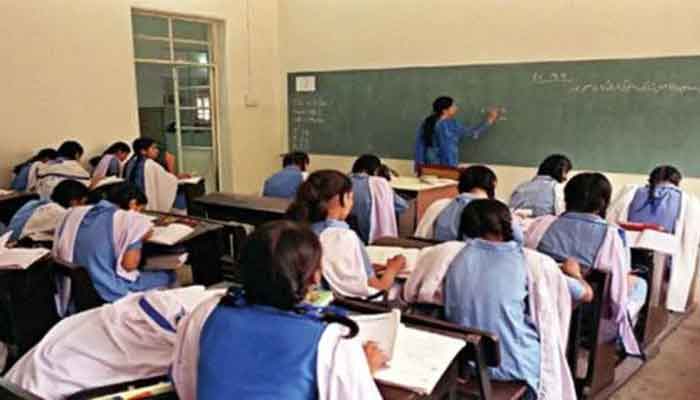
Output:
x=176 y=84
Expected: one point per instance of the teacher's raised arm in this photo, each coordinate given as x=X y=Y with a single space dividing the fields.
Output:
x=437 y=141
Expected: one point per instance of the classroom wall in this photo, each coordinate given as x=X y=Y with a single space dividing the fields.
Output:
x=69 y=73
x=338 y=34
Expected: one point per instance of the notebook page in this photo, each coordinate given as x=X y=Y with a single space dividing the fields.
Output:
x=170 y=234
x=379 y=328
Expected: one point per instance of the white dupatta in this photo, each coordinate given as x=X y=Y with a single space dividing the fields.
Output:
x=683 y=265
x=160 y=186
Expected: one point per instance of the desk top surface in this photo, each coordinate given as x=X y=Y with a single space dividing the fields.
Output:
x=245 y=201
x=414 y=184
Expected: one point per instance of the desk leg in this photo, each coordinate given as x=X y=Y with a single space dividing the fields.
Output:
x=657 y=316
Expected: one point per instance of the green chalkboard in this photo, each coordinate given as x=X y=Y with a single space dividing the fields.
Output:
x=611 y=115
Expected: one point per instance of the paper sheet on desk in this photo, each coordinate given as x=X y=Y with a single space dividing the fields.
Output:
x=190 y=181
x=170 y=234
x=420 y=359
x=661 y=242
x=18 y=258
x=379 y=328
x=417 y=184
x=6 y=192
x=381 y=254
x=108 y=181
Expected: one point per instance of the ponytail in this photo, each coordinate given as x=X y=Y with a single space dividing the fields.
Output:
x=440 y=104
x=311 y=202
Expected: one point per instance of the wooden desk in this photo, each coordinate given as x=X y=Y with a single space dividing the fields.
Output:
x=10 y=203
x=27 y=306
x=246 y=209
x=206 y=246
x=192 y=192
x=441 y=171
x=424 y=194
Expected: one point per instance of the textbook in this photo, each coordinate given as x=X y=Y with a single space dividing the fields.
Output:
x=170 y=234
x=382 y=254
x=418 y=358
x=109 y=180
x=18 y=258
x=190 y=181
x=166 y=261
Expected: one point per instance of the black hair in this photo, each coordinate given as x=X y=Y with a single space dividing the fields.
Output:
x=367 y=163
x=298 y=158
x=69 y=190
x=556 y=166
x=311 y=202
x=122 y=194
x=478 y=176
x=440 y=104
x=386 y=172
x=71 y=150
x=588 y=192
x=278 y=264
x=117 y=147
x=661 y=174
x=42 y=155
x=486 y=216
x=139 y=145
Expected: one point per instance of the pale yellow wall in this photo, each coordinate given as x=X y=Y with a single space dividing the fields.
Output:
x=68 y=72
x=343 y=34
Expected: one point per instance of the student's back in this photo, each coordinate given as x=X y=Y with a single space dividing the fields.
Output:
x=543 y=195
x=284 y=184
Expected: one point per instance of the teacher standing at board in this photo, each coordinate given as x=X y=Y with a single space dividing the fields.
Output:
x=439 y=135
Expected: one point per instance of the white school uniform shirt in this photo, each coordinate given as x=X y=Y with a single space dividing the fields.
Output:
x=41 y=225
x=342 y=371
x=50 y=174
x=114 y=343
x=683 y=265
x=160 y=187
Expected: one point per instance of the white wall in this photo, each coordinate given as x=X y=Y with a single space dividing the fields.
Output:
x=69 y=73
x=341 y=34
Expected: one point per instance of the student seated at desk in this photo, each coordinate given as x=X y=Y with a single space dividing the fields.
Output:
x=131 y=339
x=110 y=162
x=24 y=175
x=582 y=233
x=489 y=286
x=159 y=185
x=376 y=204
x=544 y=194
x=107 y=241
x=475 y=182
x=285 y=183
x=65 y=166
x=38 y=219
x=663 y=203
x=263 y=342
x=324 y=201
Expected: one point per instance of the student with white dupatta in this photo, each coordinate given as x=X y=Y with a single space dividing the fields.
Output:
x=262 y=341
x=324 y=201
x=65 y=166
x=663 y=203
x=133 y=338
x=492 y=283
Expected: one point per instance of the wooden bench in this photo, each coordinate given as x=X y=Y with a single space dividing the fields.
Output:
x=83 y=292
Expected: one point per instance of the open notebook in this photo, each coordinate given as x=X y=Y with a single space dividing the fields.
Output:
x=109 y=180
x=170 y=234
x=189 y=181
x=381 y=254
x=18 y=258
x=418 y=358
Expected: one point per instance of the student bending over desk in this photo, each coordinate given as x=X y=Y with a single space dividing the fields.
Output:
x=131 y=339
x=159 y=185
x=325 y=201
x=663 y=203
x=262 y=342
x=583 y=234
x=110 y=162
x=494 y=284
x=285 y=183
x=65 y=166
x=544 y=194
x=374 y=199
x=38 y=219
x=107 y=241
x=24 y=175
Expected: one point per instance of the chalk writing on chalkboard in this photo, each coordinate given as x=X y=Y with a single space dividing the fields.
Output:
x=612 y=86
x=306 y=113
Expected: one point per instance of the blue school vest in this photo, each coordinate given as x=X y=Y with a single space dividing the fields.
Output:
x=663 y=210
x=575 y=235
x=284 y=184
x=258 y=352
x=536 y=195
